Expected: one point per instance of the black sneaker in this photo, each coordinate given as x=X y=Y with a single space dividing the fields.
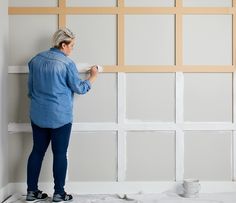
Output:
x=36 y=195
x=62 y=198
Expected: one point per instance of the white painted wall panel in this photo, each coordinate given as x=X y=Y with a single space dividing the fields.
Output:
x=150 y=97
x=100 y=103
x=92 y=3
x=18 y=102
x=29 y=3
x=207 y=40
x=96 y=38
x=208 y=155
x=150 y=156
x=29 y=35
x=208 y=97
x=207 y=3
x=93 y=156
x=20 y=146
x=149 y=40
x=142 y=3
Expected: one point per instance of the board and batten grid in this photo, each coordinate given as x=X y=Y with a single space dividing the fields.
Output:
x=62 y=10
x=179 y=68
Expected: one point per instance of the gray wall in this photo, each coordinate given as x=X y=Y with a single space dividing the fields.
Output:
x=149 y=97
x=3 y=89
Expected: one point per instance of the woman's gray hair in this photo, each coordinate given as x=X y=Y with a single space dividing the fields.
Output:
x=63 y=35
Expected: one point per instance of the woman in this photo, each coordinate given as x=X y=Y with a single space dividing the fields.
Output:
x=53 y=79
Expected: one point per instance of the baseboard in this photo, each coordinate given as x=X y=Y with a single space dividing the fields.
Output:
x=4 y=193
x=125 y=187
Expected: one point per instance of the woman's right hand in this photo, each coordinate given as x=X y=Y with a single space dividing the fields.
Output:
x=94 y=70
x=93 y=73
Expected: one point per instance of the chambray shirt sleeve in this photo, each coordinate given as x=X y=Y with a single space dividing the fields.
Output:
x=74 y=82
x=30 y=82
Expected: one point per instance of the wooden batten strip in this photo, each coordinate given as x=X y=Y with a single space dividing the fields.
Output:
x=148 y=10
x=206 y=69
x=62 y=14
x=61 y=21
x=233 y=35
x=91 y=10
x=203 y=10
x=121 y=40
x=178 y=36
x=118 y=10
x=62 y=3
x=169 y=69
x=146 y=69
x=33 y=10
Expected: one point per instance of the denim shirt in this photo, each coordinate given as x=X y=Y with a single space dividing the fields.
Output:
x=53 y=79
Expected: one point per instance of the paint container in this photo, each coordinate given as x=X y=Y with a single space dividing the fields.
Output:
x=191 y=188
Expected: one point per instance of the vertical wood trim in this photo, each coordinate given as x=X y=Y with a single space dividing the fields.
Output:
x=121 y=111
x=179 y=176
x=121 y=3
x=62 y=15
x=120 y=35
x=234 y=35
x=121 y=95
x=179 y=110
x=121 y=155
x=179 y=35
x=179 y=83
x=179 y=97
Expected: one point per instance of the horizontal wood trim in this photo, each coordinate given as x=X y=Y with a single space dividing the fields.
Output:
x=116 y=10
x=146 y=69
x=33 y=10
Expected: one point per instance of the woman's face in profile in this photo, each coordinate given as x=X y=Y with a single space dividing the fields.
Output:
x=67 y=49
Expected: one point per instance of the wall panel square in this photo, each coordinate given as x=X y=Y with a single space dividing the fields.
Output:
x=93 y=156
x=33 y=3
x=147 y=3
x=92 y=3
x=150 y=96
x=207 y=39
x=18 y=102
x=208 y=155
x=20 y=146
x=96 y=38
x=207 y=3
x=149 y=43
x=100 y=103
x=208 y=97
x=150 y=156
x=29 y=35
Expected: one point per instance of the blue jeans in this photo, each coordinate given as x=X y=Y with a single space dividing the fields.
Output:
x=59 y=138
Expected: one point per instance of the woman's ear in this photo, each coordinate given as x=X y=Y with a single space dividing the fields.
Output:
x=63 y=45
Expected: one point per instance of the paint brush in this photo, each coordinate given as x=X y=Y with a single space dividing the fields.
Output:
x=84 y=67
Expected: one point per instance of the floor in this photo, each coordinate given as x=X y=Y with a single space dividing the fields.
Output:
x=140 y=198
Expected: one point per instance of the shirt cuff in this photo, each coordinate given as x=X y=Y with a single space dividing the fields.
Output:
x=88 y=83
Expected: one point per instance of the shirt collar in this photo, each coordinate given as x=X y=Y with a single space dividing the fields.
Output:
x=57 y=50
